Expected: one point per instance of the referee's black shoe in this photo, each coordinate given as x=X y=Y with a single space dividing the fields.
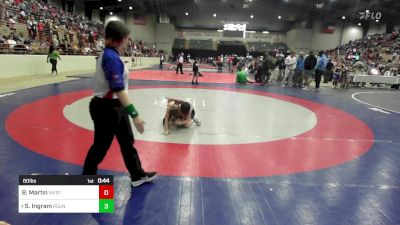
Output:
x=148 y=177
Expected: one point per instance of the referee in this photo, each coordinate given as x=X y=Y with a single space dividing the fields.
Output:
x=111 y=107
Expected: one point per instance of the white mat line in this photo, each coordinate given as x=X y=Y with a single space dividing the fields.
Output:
x=353 y=96
x=291 y=138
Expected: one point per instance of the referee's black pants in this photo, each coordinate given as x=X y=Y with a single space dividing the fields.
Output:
x=179 y=67
x=110 y=120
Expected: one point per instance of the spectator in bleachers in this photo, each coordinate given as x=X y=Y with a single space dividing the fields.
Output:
x=40 y=28
x=23 y=7
x=11 y=23
x=2 y=10
x=47 y=27
x=54 y=30
x=87 y=50
x=31 y=25
x=8 y=4
x=55 y=41
x=22 y=14
x=11 y=42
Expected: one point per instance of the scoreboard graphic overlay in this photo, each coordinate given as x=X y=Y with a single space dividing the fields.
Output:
x=65 y=194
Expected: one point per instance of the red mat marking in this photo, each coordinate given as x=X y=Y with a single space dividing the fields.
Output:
x=170 y=75
x=337 y=138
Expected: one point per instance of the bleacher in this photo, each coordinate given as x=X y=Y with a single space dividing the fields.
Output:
x=231 y=43
x=280 y=45
x=15 y=36
x=179 y=44
x=259 y=46
x=207 y=48
x=201 y=44
x=232 y=47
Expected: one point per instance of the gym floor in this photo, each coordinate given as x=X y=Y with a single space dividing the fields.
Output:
x=263 y=154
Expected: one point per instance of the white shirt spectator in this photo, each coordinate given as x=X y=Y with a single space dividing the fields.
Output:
x=11 y=23
x=87 y=50
x=29 y=23
x=180 y=59
x=22 y=6
x=291 y=62
x=55 y=42
x=12 y=43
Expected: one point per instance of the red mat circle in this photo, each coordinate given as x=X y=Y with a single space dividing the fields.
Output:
x=338 y=137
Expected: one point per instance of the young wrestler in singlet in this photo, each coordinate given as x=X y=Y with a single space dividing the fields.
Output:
x=180 y=114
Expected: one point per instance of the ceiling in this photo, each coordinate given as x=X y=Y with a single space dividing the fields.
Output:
x=265 y=12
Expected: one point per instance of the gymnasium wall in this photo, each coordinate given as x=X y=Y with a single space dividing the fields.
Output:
x=351 y=33
x=96 y=15
x=228 y=15
x=202 y=34
x=28 y=65
x=323 y=41
x=299 y=40
x=146 y=32
x=291 y=39
x=376 y=28
x=165 y=35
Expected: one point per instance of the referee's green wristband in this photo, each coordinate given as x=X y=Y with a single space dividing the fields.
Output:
x=130 y=109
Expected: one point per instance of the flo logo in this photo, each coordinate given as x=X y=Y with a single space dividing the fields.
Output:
x=370 y=15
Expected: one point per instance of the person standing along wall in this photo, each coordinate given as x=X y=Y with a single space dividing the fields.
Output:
x=281 y=65
x=309 y=66
x=290 y=63
x=320 y=70
x=298 y=73
x=329 y=71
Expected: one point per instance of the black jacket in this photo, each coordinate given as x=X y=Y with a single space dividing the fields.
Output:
x=264 y=67
x=281 y=63
x=310 y=62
